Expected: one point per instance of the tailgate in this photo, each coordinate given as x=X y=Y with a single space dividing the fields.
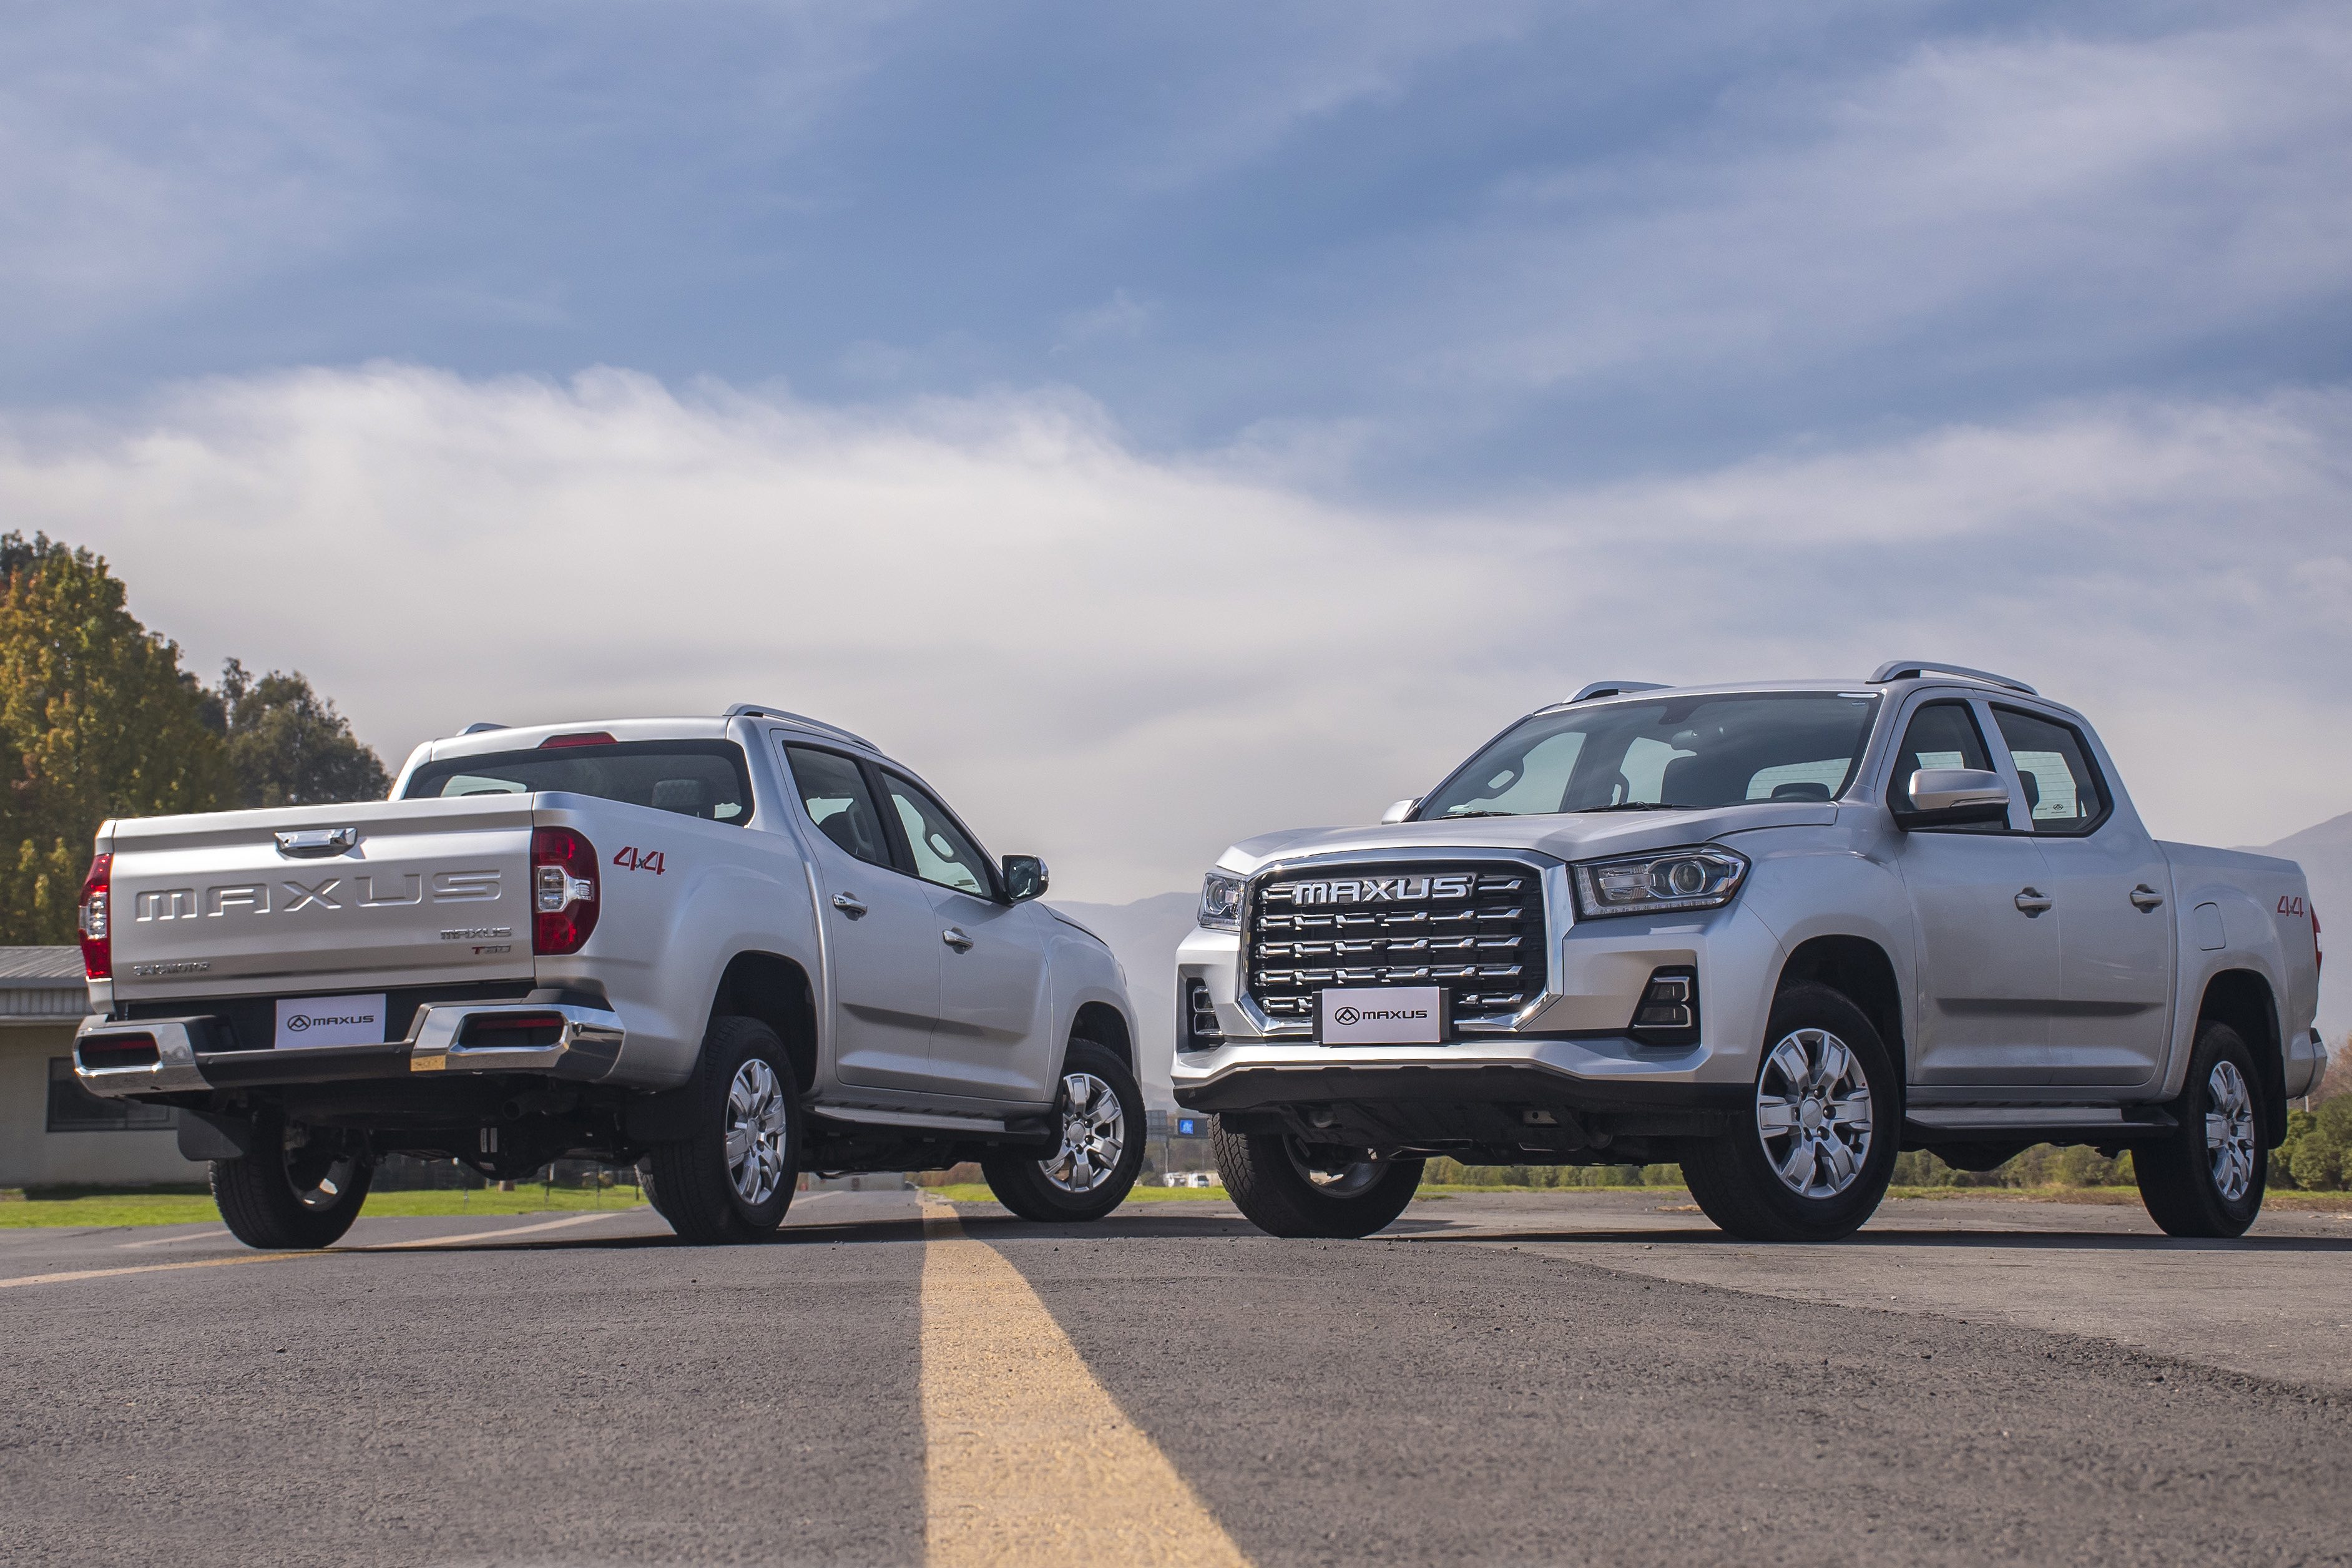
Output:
x=322 y=898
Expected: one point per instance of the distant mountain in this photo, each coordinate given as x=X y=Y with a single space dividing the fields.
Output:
x=1144 y=935
x=2325 y=852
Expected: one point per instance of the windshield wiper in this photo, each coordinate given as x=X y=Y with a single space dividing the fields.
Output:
x=1465 y=815
x=1634 y=806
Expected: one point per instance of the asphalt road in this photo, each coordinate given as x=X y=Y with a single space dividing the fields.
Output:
x=1555 y=1378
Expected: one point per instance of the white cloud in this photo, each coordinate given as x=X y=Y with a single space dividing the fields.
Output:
x=1122 y=663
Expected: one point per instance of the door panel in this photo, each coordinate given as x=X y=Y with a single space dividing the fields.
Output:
x=882 y=950
x=1988 y=973
x=2115 y=1025
x=994 y=1037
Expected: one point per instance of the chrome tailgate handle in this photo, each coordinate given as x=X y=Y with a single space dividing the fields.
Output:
x=311 y=843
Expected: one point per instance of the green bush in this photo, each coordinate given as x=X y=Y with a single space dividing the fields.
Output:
x=2318 y=1153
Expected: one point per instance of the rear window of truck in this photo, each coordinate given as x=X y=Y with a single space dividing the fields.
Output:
x=705 y=779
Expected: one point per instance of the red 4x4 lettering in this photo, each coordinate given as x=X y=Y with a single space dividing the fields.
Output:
x=629 y=857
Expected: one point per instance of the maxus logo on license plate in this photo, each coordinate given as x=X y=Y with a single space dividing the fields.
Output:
x=1381 y=1016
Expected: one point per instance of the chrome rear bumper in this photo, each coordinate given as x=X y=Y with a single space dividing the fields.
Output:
x=122 y=1059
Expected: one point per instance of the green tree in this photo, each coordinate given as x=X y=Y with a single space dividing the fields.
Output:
x=96 y=720
x=288 y=746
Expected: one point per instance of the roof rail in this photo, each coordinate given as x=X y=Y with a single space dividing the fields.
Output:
x=476 y=729
x=1905 y=669
x=1615 y=688
x=762 y=711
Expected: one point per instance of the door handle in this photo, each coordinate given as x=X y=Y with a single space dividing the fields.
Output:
x=955 y=939
x=848 y=904
x=2032 y=901
x=2145 y=899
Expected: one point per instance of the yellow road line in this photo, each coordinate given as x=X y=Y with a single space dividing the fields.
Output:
x=1028 y=1460
x=490 y=1235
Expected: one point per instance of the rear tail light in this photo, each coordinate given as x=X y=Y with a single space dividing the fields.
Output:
x=2318 y=953
x=562 y=890
x=104 y=1051
x=95 y=918
x=511 y=1029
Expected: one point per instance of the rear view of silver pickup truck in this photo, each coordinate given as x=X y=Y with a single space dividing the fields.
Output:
x=733 y=949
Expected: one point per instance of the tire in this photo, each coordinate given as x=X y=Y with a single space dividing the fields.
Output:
x=2207 y=1176
x=299 y=1189
x=1285 y=1188
x=1812 y=1159
x=732 y=1179
x=1100 y=1107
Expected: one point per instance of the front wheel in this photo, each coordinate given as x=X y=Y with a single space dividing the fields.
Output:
x=1289 y=1188
x=1099 y=1110
x=2207 y=1175
x=1815 y=1151
x=302 y=1188
x=733 y=1178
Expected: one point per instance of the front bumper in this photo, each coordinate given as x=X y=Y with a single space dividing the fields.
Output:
x=125 y=1058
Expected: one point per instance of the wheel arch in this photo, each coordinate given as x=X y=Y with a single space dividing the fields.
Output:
x=2243 y=999
x=1861 y=971
x=775 y=990
x=1106 y=1027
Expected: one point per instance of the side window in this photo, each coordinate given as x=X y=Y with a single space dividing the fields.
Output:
x=2062 y=792
x=1943 y=735
x=833 y=789
x=942 y=853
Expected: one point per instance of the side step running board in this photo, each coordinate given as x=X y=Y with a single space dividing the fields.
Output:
x=2057 y=1123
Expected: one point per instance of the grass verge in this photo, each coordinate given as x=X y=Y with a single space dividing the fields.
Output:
x=103 y=1209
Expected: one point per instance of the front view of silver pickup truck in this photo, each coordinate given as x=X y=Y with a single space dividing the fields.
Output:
x=1774 y=933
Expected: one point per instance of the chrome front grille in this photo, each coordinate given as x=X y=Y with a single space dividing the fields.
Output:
x=1475 y=928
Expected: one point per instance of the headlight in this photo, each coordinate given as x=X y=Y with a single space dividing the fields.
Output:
x=1702 y=878
x=1221 y=901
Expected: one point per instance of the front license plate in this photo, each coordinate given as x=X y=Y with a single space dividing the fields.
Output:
x=1381 y=1016
x=330 y=1021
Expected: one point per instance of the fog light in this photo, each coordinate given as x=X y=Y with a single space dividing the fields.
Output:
x=1669 y=1003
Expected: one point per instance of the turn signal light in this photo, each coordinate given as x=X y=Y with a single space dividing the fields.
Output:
x=562 y=890
x=94 y=918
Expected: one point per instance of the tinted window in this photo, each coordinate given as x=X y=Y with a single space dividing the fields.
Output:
x=73 y=1109
x=832 y=788
x=942 y=853
x=1693 y=751
x=703 y=779
x=2063 y=793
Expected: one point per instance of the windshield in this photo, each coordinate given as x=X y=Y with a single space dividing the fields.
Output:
x=693 y=778
x=1678 y=751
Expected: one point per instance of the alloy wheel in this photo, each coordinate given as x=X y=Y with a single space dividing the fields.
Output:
x=2229 y=1131
x=1333 y=1182
x=321 y=1163
x=1094 y=1135
x=759 y=1128
x=1813 y=1113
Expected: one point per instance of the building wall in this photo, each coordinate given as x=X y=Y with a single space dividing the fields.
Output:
x=31 y=1155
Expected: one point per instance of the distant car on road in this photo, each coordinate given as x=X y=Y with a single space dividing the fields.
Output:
x=733 y=949
x=1776 y=933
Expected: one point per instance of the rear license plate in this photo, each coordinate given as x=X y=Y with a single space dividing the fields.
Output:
x=1381 y=1016
x=330 y=1021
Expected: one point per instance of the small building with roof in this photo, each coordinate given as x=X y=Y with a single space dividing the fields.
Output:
x=52 y=1132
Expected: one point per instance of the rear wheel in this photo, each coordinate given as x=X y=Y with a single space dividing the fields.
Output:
x=1099 y=1111
x=1816 y=1150
x=301 y=1187
x=733 y=1178
x=2207 y=1176
x=1291 y=1188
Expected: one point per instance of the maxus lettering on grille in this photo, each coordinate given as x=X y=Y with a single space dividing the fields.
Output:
x=1478 y=930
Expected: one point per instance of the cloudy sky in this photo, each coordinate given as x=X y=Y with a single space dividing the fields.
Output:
x=1160 y=424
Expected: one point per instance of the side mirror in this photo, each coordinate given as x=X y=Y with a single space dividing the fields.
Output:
x=1024 y=878
x=1952 y=798
x=1400 y=811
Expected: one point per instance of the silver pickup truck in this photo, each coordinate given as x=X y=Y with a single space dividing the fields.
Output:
x=1777 y=933
x=733 y=949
